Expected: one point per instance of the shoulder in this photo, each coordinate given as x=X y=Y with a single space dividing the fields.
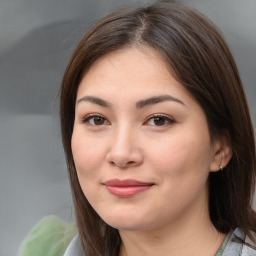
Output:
x=239 y=244
x=50 y=237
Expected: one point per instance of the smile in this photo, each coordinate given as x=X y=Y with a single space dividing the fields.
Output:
x=126 y=188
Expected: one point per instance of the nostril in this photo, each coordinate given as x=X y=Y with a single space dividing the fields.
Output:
x=123 y=165
x=112 y=163
x=131 y=163
x=124 y=159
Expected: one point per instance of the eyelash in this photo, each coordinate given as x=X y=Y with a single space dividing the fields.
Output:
x=87 y=118
x=167 y=120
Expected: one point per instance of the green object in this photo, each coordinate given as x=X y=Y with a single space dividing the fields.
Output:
x=50 y=237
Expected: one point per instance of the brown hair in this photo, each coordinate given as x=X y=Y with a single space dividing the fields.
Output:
x=200 y=59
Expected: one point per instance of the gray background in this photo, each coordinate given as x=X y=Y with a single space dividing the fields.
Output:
x=36 y=40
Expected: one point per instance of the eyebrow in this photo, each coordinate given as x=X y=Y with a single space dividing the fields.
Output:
x=140 y=104
x=95 y=100
x=157 y=99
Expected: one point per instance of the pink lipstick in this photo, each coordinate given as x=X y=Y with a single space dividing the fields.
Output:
x=126 y=188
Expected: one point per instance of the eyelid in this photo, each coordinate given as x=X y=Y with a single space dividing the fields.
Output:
x=167 y=118
x=86 y=118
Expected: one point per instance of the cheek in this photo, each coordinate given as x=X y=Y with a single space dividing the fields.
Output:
x=87 y=154
x=183 y=154
x=85 y=150
x=182 y=164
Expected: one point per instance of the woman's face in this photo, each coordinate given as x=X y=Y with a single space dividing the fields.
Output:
x=140 y=143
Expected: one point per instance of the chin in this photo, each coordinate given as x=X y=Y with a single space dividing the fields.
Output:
x=129 y=223
x=126 y=226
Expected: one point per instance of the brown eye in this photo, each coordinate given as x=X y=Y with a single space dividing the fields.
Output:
x=98 y=120
x=159 y=120
x=95 y=120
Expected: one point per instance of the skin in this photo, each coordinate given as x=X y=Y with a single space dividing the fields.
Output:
x=174 y=153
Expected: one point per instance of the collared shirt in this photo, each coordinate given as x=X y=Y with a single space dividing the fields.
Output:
x=230 y=246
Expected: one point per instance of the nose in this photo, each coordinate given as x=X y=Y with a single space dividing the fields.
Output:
x=124 y=151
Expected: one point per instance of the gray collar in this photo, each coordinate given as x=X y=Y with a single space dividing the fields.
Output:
x=234 y=248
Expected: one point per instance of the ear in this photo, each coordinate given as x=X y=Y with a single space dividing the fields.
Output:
x=222 y=153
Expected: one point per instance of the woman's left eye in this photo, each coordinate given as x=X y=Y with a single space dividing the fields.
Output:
x=159 y=120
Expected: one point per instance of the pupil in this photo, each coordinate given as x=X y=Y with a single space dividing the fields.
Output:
x=98 y=120
x=159 y=121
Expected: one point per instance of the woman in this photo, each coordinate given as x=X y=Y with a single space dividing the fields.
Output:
x=158 y=138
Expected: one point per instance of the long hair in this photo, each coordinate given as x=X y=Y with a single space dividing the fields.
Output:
x=202 y=62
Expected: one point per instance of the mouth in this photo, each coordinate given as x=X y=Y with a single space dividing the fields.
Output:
x=126 y=188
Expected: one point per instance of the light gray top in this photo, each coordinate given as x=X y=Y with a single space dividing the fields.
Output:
x=239 y=249
x=74 y=248
x=228 y=248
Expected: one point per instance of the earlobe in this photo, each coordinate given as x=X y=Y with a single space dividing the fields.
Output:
x=221 y=167
x=222 y=154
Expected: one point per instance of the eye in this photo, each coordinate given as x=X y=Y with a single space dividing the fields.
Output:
x=159 y=120
x=96 y=120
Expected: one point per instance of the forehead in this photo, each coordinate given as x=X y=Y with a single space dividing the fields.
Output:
x=130 y=59
x=129 y=75
x=130 y=67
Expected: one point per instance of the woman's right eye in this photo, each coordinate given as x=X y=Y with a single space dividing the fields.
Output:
x=96 y=120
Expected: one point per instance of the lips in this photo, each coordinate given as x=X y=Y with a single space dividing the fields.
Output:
x=126 y=188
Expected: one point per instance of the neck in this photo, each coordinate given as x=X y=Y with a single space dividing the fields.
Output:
x=193 y=234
